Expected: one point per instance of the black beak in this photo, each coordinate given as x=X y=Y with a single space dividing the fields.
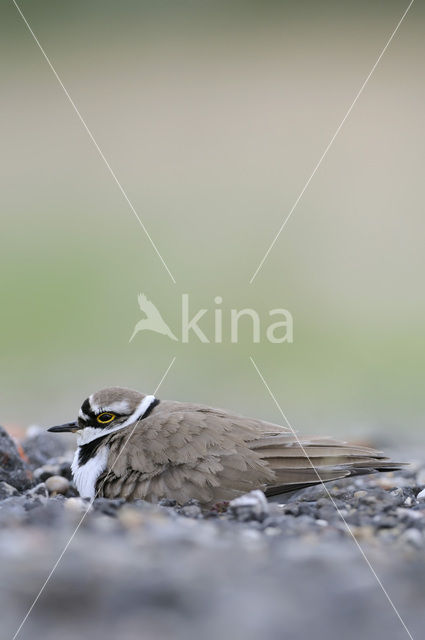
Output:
x=62 y=428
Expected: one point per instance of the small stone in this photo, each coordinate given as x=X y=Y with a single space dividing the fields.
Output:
x=46 y=471
x=167 y=502
x=291 y=509
x=192 y=502
x=385 y=482
x=107 y=506
x=250 y=535
x=105 y=524
x=7 y=491
x=385 y=522
x=131 y=517
x=392 y=482
x=363 y=533
x=57 y=484
x=414 y=537
x=38 y=490
x=421 y=495
x=322 y=523
x=409 y=514
x=60 y=467
x=191 y=511
x=360 y=494
x=250 y=506
x=76 y=505
x=272 y=531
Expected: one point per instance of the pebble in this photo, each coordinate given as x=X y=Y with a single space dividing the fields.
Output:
x=57 y=484
x=360 y=494
x=6 y=490
x=39 y=490
x=46 y=471
x=421 y=495
x=76 y=505
x=108 y=507
x=131 y=517
x=413 y=537
x=191 y=511
x=251 y=506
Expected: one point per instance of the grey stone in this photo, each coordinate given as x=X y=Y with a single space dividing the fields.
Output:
x=41 y=447
x=6 y=490
x=250 y=506
x=191 y=511
x=107 y=506
x=13 y=469
x=39 y=490
x=46 y=471
x=166 y=502
x=414 y=537
x=58 y=468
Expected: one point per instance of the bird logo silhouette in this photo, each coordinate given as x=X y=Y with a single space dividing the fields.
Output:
x=153 y=321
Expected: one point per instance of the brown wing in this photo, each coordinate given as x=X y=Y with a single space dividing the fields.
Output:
x=185 y=451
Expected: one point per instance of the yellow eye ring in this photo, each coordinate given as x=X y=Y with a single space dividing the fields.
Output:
x=105 y=418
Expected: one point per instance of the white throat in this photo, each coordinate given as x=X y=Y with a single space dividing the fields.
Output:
x=86 y=475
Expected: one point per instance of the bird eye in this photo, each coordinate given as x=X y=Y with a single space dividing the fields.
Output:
x=104 y=418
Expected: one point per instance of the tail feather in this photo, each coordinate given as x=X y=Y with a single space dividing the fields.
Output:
x=315 y=460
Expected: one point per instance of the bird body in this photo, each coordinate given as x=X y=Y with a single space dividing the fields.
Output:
x=133 y=446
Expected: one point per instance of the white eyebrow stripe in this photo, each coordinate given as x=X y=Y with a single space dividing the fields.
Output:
x=83 y=415
x=140 y=410
x=119 y=406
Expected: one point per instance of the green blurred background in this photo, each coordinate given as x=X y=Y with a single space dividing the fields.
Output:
x=213 y=116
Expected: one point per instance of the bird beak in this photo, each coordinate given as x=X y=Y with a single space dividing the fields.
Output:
x=62 y=428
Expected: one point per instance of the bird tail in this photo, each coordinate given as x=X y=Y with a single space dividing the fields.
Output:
x=310 y=461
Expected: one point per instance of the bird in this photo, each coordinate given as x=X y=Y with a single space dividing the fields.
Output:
x=135 y=446
x=153 y=321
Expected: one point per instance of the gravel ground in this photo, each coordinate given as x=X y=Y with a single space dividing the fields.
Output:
x=252 y=569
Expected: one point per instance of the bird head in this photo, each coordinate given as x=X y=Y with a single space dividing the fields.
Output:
x=106 y=411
